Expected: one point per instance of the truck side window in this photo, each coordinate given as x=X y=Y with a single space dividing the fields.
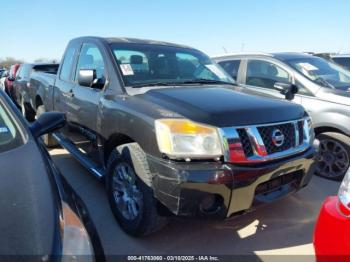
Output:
x=265 y=74
x=91 y=58
x=231 y=67
x=67 y=64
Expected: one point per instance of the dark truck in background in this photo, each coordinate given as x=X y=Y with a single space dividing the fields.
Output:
x=162 y=125
x=21 y=86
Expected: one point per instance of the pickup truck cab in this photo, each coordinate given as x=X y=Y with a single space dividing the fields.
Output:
x=161 y=124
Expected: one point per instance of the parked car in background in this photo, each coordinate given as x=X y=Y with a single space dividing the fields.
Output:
x=41 y=214
x=340 y=59
x=2 y=71
x=3 y=79
x=323 y=91
x=332 y=231
x=9 y=80
x=21 y=86
x=161 y=125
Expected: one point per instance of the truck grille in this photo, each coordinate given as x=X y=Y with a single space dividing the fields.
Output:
x=247 y=146
x=288 y=132
x=301 y=131
x=263 y=142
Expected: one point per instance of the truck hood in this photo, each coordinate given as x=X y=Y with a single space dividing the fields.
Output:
x=223 y=107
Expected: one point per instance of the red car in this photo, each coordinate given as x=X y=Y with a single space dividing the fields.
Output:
x=9 y=80
x=332 y=232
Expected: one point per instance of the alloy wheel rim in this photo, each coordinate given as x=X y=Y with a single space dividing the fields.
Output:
x=333 y=159
x=127 y=195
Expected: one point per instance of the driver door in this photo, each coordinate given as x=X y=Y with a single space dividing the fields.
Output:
x=86 y=99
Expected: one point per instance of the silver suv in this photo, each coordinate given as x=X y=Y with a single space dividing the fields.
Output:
x=323 y=89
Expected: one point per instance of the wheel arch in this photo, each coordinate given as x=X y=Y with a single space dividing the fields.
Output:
x=38 y=101
x=324 y=129
x=112 y=142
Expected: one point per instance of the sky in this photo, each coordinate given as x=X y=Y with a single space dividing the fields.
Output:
x=41 y=28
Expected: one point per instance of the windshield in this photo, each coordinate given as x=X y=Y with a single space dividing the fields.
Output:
x=322 y=72
x=10 y=137
x=145 y=64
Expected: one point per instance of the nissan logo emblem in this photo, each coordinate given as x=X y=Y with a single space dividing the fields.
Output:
x=277 y=137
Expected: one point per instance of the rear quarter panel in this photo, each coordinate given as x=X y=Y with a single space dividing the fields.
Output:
x=42 y=86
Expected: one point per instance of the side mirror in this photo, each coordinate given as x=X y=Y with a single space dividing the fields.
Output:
x=48 y=123
x=87 y=77
x=289 y=90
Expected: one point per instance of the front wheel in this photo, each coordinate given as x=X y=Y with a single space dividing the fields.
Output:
x=333 y=159
x=131 y=200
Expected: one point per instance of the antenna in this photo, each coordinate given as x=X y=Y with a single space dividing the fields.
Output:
x=341 y=49
x=224 y=49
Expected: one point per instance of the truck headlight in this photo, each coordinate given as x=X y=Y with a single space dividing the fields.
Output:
x=182 y=138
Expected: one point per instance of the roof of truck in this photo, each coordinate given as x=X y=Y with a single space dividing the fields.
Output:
x=112 y=40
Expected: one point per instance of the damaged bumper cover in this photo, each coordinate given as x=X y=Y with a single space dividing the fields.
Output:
x=218 y=190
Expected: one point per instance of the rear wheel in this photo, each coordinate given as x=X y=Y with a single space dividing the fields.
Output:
x=131 y=200
x=27 y=112
x=48 y=139
x=333 y=159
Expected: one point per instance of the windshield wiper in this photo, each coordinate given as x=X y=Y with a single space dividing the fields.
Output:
x=323 y=82
x=153 y=84
x=205 y=81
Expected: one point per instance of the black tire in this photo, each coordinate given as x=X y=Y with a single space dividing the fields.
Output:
x=147 y=219
x=27 y=111
x=333 y=159
x=48 y=139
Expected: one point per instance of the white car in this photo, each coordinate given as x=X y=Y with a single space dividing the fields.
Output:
x=3 y=76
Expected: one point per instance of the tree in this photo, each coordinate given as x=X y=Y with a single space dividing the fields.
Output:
x=45 y=60
x=9 y=61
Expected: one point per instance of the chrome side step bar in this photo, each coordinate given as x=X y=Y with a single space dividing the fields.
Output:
x=91 y=166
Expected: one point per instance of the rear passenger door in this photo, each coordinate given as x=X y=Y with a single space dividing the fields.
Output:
x=63 y=94
x=262 y=75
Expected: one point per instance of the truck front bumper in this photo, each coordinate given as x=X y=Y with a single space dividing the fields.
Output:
x=214 y=189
